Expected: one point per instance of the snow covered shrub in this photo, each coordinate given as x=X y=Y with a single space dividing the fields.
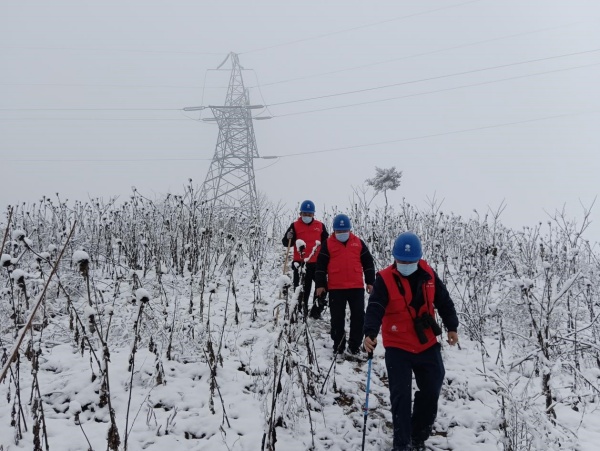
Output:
x=183 y=295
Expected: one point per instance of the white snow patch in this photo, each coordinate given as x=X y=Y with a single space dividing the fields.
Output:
x=74 y=407
x=4 y=259
x=89 y=311
x=79 y=256
x=299 y=244
x=142 y=295
x=283 y=281
x=17 y=274
x=18 y=235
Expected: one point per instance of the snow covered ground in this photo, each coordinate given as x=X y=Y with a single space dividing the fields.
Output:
x=176 y=415
x=211 y=369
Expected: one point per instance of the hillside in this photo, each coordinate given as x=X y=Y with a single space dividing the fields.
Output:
x=164 y=327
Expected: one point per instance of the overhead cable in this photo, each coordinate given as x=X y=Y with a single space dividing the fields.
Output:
x=415 y=55
x=374 y=88
x=434 y=135
x=334 y=149
x=358 y=27
x=433 y=91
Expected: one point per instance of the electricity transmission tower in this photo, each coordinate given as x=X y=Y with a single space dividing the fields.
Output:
x=230 y=184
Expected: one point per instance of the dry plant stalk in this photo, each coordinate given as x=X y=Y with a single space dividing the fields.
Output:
x=15 y=349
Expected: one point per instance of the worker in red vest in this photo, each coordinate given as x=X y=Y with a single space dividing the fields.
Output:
x=311 y=232
x=402 y=304
x=342 y=262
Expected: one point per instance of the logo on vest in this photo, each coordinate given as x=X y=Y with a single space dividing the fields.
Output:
x=394 y=328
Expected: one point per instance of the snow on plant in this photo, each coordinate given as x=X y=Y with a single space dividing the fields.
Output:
x=5 y=260
x=295 y=370
x=181 y=285
x=313 y=251
x=283 y=281
x=18 y=235
x=142 y=295
x=384 y=180
x=80 y=257
x=300 y=245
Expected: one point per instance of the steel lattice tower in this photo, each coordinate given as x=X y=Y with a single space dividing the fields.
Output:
x=230 y=183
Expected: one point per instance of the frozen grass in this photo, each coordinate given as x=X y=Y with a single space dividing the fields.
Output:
x=167 y=322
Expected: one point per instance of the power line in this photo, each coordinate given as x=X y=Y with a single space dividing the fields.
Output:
x=261 y=93
x=204 y=87
x=87 y=85
x=434 y=135
x=433 y=92
x=319 y=109
x=374 y=88
x=90 y=109
x=334 y=149
x=101 y=119
x=377 y=63
x=359 y=27
x=339 y=106
x=98 y=160
x=191 y=52
x=331 y=95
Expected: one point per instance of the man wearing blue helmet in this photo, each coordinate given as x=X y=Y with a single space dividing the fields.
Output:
x=342 y=263
x=403 y=302
x=310 y=231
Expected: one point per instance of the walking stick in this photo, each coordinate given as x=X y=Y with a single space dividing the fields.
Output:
x=335 y=354
x=287 y=254
x=285 y=261
x=366 y=409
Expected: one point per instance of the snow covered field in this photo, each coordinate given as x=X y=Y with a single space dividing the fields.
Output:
x=173 y=335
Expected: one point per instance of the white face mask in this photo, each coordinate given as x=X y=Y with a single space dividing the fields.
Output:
x=406 y=269
x=343 y=237
x=307 y=219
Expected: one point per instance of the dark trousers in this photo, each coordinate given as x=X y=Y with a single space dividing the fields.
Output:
x=355 y=298
x=429 y=376
x=309 y=277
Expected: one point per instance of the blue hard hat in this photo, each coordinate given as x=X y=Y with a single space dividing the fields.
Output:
x=307 y=206
x=342 y=222
x=407 y=248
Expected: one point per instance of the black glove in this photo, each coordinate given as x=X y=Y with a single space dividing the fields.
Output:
x=321 y=301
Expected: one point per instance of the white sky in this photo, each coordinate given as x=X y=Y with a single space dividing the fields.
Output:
x=155 y=55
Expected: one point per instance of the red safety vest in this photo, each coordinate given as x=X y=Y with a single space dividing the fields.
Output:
x=310 y=234
x=397 y=328
x=345 y=268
